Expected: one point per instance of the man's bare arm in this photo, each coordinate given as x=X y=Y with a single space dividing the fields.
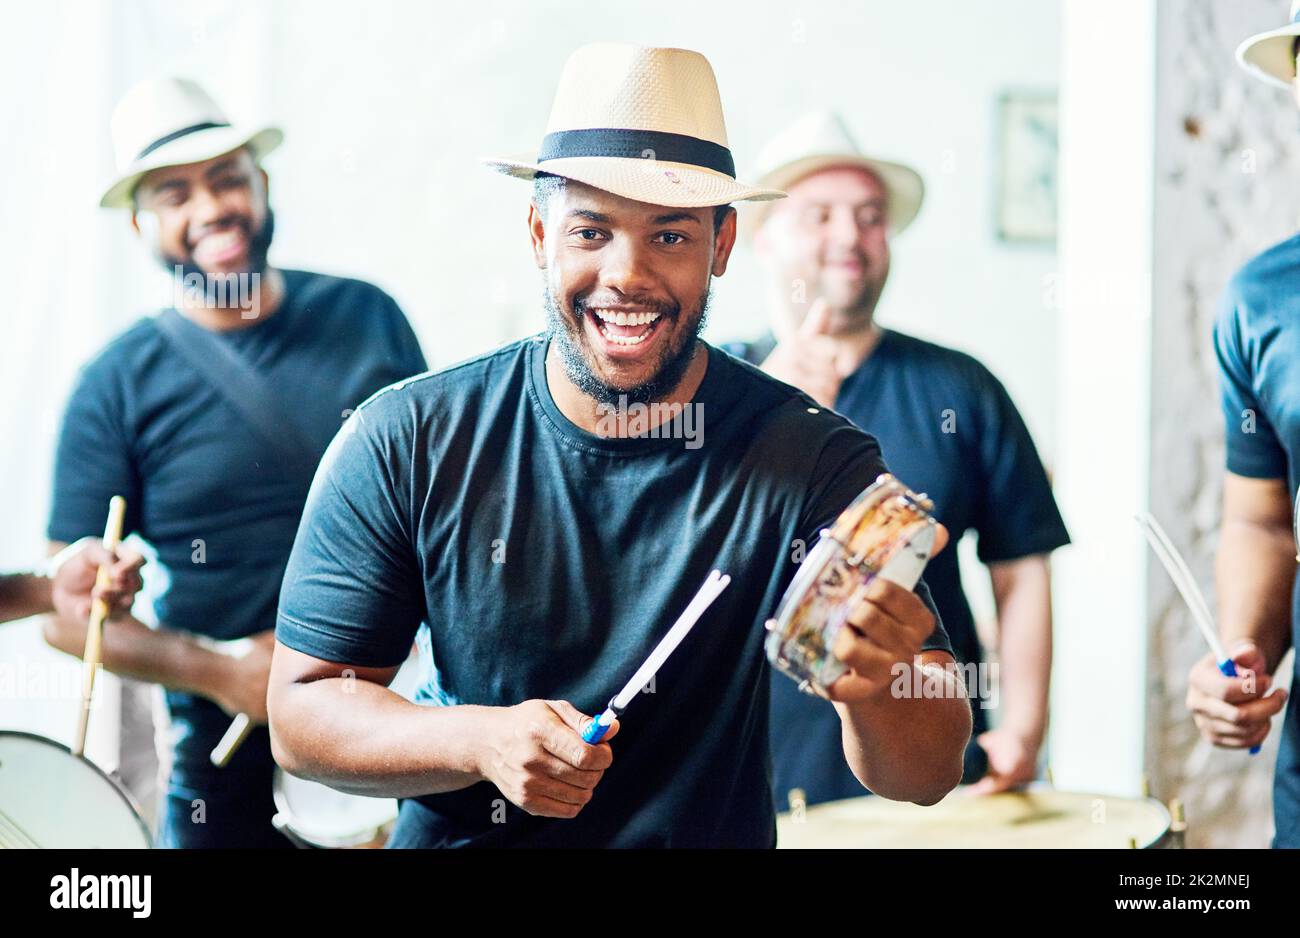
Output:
x=909 y=747
x=132 y=649
x=1255 y=567
x=23 y=595
x=341 y=725
x=1254 y=571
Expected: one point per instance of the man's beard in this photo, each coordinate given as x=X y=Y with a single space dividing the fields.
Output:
x=259 y=247
x=569 y=338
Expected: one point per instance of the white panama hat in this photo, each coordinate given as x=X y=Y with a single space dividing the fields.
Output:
x=820 y=141
x=643 y=123
x=1268 y=56
x=172 y=122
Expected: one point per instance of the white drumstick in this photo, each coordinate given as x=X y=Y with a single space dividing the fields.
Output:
x=1181 y=574
x=712 y=588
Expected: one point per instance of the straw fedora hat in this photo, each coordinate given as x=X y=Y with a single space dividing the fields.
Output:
x=643 y=123
x=1269 y=56
x=172 y=122
x=821 y=141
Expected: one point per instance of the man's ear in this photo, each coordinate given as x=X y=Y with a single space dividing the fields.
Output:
x=266 y=183
x=723 y=242
x=537 y=234
x=135 y=223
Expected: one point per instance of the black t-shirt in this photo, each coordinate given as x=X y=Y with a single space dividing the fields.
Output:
x=947 y=427
x=209 y=494
x=546 y=562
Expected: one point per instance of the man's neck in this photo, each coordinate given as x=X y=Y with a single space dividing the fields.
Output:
x=856 y=342
x=588 y=414
x=251 y=299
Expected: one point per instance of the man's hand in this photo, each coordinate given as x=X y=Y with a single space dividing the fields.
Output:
x=885 y=631
x=535 y=755
x=1233 y=712
x=75 y=568
x=242 y=679
x=1013 y=761
x=811 y=359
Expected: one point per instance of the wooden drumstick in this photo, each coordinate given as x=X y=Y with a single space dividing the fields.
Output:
x=235 y=735
x=95 y=627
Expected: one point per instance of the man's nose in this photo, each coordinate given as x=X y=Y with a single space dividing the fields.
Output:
x=206 y=207
x=842 y=228
x=625 y=268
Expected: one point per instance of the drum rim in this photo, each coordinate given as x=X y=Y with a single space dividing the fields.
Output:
x=289 y=816
x=1041 y=787
x=121 y=791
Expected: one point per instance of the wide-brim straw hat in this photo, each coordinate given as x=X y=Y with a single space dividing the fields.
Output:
x=642 y=123
x=173 y=122
x=1269 y=56
x=821 y=141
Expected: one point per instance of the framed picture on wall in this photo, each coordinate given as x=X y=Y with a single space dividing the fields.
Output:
x=1026 y=167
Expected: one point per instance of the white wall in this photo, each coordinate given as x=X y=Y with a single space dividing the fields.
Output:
x=1108 y=94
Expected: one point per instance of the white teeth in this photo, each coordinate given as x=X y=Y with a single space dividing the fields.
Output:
x=219 y=242
x=623 y=339
x=621 y=318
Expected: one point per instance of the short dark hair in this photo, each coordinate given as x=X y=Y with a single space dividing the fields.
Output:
x=546 y=185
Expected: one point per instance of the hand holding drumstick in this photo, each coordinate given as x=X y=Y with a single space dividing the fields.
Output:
x=243 y=690
x=99 y=610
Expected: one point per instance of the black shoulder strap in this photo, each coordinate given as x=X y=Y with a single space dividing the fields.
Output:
x=243 y=387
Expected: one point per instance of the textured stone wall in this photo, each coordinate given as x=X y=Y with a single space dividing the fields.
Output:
x=1227 y=157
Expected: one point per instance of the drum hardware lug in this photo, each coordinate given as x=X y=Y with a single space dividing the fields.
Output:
x=281 y=823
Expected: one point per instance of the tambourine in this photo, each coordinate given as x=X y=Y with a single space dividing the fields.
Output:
x=886 y=532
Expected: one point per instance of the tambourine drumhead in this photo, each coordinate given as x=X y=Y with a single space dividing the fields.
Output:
x=51 y=798
x=887 y=531
x=1035 y=818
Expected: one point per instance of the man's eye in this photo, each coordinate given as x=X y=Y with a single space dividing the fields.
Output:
x=229 y=182
x=672 y=237
x=588 y=234
x=869 y=218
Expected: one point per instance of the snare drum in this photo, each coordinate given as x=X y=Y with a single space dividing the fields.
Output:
x=315 y=815
x=51 y=798
x=886 y=532
x=1035 y=818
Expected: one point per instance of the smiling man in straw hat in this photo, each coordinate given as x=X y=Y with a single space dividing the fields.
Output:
x=1256 y=338
x=947 y=425
x=210 y=418
x=546 y=542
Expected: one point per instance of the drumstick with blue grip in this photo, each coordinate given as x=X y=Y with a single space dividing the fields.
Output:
x=712 y=588
x=1181 y=574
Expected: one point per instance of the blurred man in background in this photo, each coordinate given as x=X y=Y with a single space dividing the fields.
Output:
x=945 y=424
x=1256 y=338
x=210 y=419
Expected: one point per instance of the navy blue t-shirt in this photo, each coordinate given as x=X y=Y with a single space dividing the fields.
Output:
x=546 y=562
x=212 y=497
x=1257 y=343
x=948 y=428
